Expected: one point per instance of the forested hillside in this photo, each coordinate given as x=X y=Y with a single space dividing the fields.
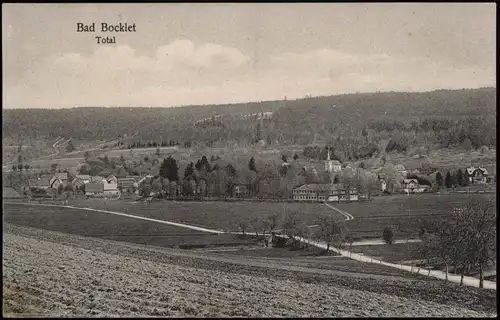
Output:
x=303 y=121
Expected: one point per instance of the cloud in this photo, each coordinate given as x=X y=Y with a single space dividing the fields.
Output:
x=181 y=73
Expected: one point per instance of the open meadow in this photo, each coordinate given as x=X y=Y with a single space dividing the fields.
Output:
x=106 y=226
x=219 y=215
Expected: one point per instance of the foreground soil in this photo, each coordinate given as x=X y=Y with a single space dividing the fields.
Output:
x=65 y=275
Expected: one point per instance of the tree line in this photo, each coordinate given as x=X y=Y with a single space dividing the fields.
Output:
x=301 y=121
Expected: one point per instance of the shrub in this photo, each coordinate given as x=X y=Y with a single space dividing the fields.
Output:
x=388 y=235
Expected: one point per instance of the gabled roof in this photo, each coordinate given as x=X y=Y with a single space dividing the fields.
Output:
x=83 y=177
x=94 y=187
x=472 y=169
x=96 y=179
x=61 y=175
x=319 y=187
x=407 y=181
x=126 y=179
x=106 y=172
x=110 y=186
x=39 y=182
x=336 y=162
x=399 y=167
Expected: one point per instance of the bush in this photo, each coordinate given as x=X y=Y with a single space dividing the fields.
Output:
x=388 y=235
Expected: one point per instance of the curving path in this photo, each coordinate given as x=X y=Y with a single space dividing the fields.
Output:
x=468 y=281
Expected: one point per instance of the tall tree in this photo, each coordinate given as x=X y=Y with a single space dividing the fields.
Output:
x=460 y=178
x=330 y=230
x=439 y=179
x=251 y=165
x=164 y=169
x=448 y=182
x=173 y=170
x=189 y=171
x=70 y=147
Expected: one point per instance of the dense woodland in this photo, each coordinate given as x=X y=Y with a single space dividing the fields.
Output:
x=352 y=124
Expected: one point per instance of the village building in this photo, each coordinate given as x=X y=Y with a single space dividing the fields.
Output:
x=110 y=189
x=126 y=185
x=79 y=182
x=477 y=175
x=324 y=192
x=94 y=189
x=412 y=186
x=332 y=166
x=112 y=178
x=59 y=178
x=39 y=183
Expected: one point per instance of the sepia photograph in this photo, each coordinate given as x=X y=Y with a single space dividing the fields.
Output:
x=249 y=160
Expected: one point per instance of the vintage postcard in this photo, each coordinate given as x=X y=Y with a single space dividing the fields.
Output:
x=249 y=160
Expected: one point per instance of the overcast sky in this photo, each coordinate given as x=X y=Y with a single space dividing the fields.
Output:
x=221 y=53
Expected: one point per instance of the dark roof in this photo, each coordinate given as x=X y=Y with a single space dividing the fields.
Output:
x=106 y=172
x=94 y=187
x=9 y=193
x=83 y=176
x=321 y=187
x=39 y=182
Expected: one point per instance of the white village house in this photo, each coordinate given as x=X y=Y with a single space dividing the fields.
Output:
x=477 y=175
x=412 y=186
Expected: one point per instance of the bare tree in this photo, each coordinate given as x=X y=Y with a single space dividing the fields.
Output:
x=467 y=240
x=292 y=224
x=479 y=231
x=330 y=230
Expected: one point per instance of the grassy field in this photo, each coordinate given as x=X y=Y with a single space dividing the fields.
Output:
x=372 y=217
x=106 y=226
x=397 y=252
x=214 y=214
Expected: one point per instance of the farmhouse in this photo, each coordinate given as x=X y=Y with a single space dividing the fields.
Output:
x=59 y=178
x=324 y=192
x=110 y=189
x=94 y=189
x=39 y=183
x=477 y=175
x=112 y=178
x=79 y=182
x=412 y=186
x=126 y=185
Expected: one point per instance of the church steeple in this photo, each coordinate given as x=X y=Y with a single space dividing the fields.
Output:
x=328 y=157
